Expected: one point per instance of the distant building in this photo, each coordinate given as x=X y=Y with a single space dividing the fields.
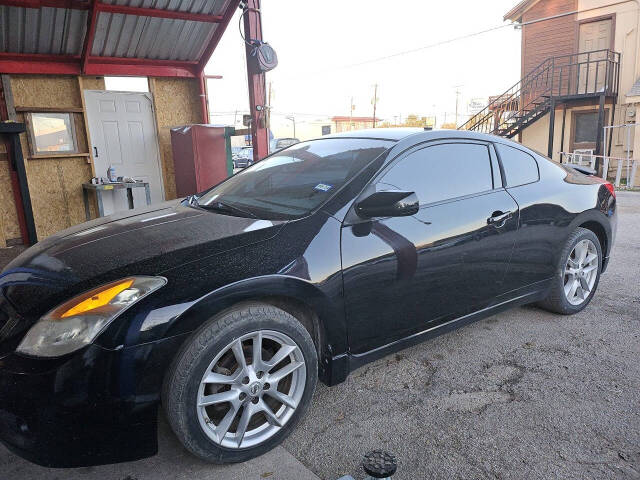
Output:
x=580 y=74
x=347 y=124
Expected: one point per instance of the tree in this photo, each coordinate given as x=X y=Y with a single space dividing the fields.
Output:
x=412 y=120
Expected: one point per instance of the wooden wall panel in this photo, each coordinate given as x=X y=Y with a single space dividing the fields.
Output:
x=177 y=102
x=55 y=184
x=549 y=38
x=45 y=91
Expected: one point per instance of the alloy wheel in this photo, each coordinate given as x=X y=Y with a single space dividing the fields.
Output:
x=580 y=272
x=251 y=389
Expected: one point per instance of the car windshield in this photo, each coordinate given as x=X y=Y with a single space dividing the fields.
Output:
x=246 y=153
x=293 y=182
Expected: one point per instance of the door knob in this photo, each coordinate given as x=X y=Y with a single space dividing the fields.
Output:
x=498 y=218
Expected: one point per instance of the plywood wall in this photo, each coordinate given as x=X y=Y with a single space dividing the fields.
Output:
x=177 y=102
x=55 y=184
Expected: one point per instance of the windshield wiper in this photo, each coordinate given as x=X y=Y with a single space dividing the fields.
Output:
x=224 y=207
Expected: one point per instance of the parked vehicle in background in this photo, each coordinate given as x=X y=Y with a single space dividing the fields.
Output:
x=225 y=308
x=244 y=158
x=280 y=143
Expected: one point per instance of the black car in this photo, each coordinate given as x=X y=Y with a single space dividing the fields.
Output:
x=226 y=307
x=244 y=158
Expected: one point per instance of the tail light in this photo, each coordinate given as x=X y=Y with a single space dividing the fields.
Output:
x=608 y=185
x=611 y=189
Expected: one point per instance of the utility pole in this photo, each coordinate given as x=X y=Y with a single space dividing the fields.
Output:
x=293 y=119
x=351 y=115
x=457 y=101
x=374 y=101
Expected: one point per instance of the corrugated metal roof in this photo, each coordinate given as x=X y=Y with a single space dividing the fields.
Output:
x=53 y=31
x=62 y=31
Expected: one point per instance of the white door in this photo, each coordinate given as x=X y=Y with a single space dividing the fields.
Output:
x=594 y=36
x=123 y=135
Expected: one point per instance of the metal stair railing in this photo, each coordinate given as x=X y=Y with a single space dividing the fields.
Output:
x=558 y=76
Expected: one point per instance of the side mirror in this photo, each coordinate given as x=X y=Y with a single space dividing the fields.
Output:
x=392 y=203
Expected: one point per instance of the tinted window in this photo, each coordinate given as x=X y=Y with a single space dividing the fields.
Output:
x=519 y=167
x=586 y=125
x=296 y=180
x=443 y=171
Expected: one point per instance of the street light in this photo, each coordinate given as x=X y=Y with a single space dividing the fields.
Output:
x=293 y=119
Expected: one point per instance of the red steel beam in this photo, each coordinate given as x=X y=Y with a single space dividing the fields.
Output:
x=38 y=57
x=217 y=35
x=157 y=12
x=257 y=90
x=87 y=45
x=143 y=61
x=203 y=98
x=39 y=64
x=137 y=69
x=72 y=65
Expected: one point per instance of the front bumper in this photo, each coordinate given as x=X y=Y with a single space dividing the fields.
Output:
x=95 y=407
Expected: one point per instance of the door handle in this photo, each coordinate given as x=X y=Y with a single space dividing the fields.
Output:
x=498 y=218
x=95 y=151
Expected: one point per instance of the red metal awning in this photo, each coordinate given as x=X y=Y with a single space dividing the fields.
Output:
x=173 y=38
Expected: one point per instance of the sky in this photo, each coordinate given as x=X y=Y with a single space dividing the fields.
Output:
x=318 y=43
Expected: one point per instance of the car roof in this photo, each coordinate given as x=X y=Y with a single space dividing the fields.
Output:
x=421 y=135
x=381 y=133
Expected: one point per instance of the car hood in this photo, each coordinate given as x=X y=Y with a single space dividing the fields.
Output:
x=147 y=241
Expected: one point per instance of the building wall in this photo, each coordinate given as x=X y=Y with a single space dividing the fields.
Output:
x=537 y=45
x=55 y=184
x=549 y=38
x=626 y=39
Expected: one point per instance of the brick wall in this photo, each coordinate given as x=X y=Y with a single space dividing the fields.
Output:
x=549 y=38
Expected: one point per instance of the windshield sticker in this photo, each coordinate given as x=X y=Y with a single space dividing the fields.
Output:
x=323 y=187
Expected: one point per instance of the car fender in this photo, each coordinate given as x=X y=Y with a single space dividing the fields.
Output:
x=595 y=216
x=330 y=315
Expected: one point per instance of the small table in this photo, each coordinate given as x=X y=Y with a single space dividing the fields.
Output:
x=99 y=189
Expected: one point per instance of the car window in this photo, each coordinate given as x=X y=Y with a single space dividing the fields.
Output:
x=519 y=167
x=294 y=181
x=441 y=172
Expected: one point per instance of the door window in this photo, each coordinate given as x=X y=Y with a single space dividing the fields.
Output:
x=442 y=172
x=520 y=168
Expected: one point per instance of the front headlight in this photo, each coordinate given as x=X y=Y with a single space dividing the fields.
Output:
x=79 y=321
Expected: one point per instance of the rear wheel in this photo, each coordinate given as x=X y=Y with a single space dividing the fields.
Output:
x=242 y=382
x=577 y=274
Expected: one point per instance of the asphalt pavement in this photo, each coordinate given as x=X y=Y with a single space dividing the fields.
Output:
x=523 y=394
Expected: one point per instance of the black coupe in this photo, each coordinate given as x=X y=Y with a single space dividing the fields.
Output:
x=224 y=308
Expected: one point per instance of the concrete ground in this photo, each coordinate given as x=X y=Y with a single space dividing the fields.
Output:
x=523 y=394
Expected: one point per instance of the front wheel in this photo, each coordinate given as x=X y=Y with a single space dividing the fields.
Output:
x=577 y=274
x=241 y=383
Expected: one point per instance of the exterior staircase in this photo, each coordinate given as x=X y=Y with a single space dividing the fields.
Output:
x=556 y=80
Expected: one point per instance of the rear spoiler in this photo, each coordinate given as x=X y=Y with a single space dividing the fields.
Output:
x=583 y=169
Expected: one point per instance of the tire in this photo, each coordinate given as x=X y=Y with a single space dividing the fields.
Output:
x=214 y=432
x=558 y=299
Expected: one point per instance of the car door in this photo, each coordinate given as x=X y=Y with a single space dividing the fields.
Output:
x=406 y=274
x=539 y=234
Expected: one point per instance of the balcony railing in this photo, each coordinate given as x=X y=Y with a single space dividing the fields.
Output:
x=577 y=75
